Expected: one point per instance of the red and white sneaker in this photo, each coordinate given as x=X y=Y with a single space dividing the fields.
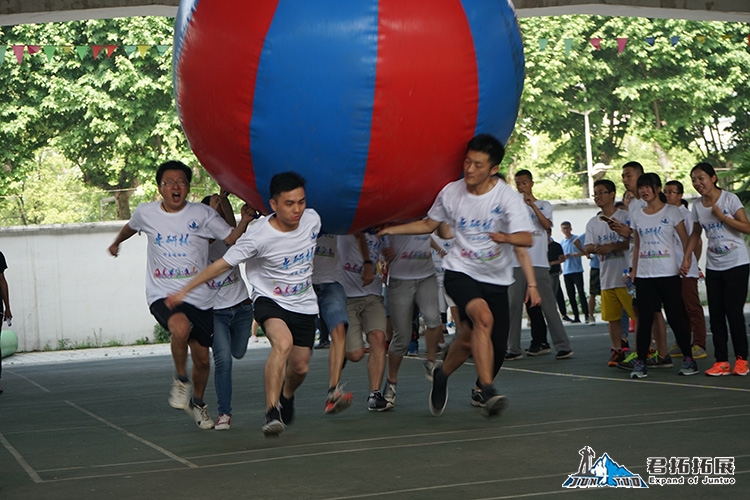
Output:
x=338 y=400
x=740 y=367
x=719 y=369
x=224 y=422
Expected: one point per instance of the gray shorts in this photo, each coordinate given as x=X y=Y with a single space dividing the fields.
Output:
x=366 y=314
x=402 y=295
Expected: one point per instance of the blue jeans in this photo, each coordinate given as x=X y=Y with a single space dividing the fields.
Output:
x=231 y=333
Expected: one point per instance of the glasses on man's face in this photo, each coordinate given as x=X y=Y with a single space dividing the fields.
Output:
x=671 y=192
x=601 y=193
x=181 y=183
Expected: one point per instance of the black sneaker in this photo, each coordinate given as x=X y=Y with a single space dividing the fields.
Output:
x=564 y=354
x=273 y=426
x=323 y=345
x=376 y=402
x=438 y=391
x=567 y=318
x=477 y=398
x=287 y=409
x=513 y=356
x=538 y=350
x=494 y=403
x=577 y=320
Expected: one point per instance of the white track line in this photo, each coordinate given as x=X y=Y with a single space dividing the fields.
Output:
x=28 y=380
x=21 y=461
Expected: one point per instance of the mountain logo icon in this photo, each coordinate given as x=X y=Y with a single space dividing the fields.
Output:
x=604 y=472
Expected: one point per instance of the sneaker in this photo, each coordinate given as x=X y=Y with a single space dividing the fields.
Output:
x=273 y=426
x=224 y=422
x=428 y=366
x=576 y=320
x=740 y=367
x=513 y=356
x=689 y=367
x=566 y=318
x=253 y=339
x=624 y=345
x=376 y=402
x=538 y=350
x=323 y=345
x=675 y=351
x=639 y=370
x=617 y=356
x=179 y=395
x=477 y=398
x=286 y=409
x=660 y=362
x=389 y=393
x=413 y=350
x=591 y=321
x=719 y=369
x=438 y=391
x=699 y=352
x=200 y=415
x=564 y=354
x=338 y=400
x=630 y=359
x=494 y=403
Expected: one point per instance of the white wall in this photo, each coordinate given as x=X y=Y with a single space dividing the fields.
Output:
x=66 y=288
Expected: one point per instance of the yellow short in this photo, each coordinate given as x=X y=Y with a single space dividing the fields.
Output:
x=614 y=301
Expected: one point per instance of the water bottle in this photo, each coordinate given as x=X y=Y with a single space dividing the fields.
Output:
x=628 y=282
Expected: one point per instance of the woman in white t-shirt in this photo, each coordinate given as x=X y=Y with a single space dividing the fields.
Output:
x=656 y=270
x=721 y=214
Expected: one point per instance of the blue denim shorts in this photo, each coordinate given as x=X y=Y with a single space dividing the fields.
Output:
x=332 y=304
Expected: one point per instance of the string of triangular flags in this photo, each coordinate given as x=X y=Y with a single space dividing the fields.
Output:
x=623 y=41
x=82 y=51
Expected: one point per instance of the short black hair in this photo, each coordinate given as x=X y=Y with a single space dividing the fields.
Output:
x=173 y=165
x=634 y=165
x=488 y=144
x=607 y=184
x=677 y=184
x=285 y=182
x=526 y=173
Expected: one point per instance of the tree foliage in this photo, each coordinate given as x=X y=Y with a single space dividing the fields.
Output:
x=692 y=96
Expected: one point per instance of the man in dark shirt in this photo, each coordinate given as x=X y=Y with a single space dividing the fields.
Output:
x=556 y=256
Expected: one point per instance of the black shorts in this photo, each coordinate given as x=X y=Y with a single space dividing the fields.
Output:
x=302 y=326
x=595 y=287
x=462 y=288
x=201 y=322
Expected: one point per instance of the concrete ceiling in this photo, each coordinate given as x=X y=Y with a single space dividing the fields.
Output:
x=44 y=11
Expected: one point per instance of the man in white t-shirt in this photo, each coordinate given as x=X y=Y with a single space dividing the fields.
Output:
x=490 y=223
x=327 y=278
x=365 y=308
x=540 y=212
x=178 y=236
x=612 y=250
x=412 y=279
x=278 y=252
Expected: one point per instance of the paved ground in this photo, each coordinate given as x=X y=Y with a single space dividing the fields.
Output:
x=99 y=427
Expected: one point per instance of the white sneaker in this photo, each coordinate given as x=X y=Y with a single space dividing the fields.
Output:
x=390 y=392
x=591 y=320
x=200 y=415
x=224 y=422
x=179 y=395
x=253 y=340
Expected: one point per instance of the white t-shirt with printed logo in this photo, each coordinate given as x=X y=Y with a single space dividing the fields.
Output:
x=178 y=248
x=229 y=287
x=472 y=218
x=279 y=264
x=413 y=260
x=656 y=233
x=611 y=265
x=678 y=250
x=327 y=267
x=538 y=250
x=726 y=247
x=352 y=264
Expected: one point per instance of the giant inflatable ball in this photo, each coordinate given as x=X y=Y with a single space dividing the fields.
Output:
x=371 y=101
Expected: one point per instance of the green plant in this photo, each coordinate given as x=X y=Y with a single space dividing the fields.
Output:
x=112 y=343
x=142 y=341
x=161 y=334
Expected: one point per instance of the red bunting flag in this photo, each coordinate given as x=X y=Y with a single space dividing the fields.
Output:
x=597 y=43
x=33 y=49
x=95 y=49
x=18 y=51
x=110 y=50
x=621 y=43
